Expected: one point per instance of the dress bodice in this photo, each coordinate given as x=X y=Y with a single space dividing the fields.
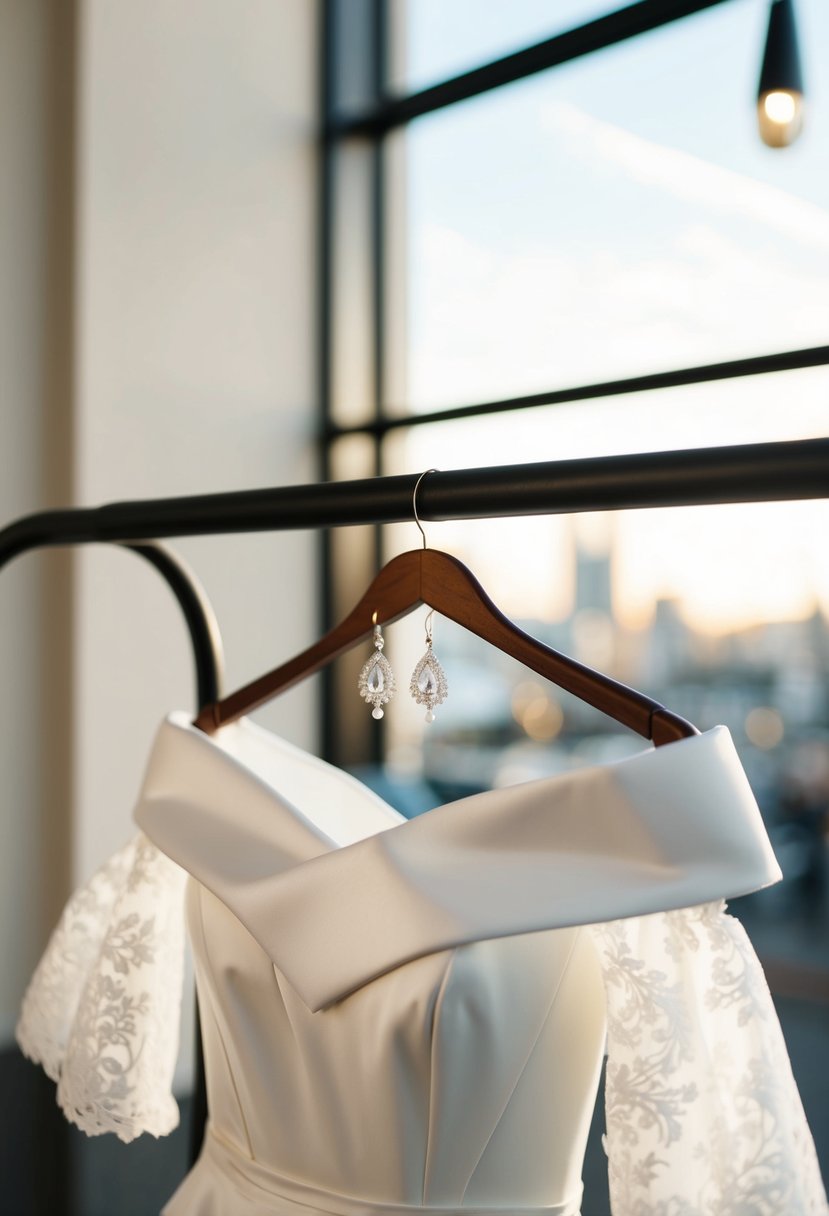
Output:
x=385 y=1094
x=381 y=1093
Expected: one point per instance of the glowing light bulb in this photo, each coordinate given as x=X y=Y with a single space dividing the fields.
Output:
x=780 y=95
x=780 y=107
x=780 y=117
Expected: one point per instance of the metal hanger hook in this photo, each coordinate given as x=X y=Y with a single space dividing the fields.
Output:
x=414 y=502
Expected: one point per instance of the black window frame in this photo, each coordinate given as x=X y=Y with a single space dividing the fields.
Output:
x=357 y=106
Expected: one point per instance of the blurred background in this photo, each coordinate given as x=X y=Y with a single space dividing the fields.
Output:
x=254 y=244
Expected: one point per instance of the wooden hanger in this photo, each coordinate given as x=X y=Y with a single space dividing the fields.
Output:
x=428 y=576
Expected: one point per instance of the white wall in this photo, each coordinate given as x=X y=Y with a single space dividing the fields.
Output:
x=195 y=339
x=36 y=156
x=192 y=370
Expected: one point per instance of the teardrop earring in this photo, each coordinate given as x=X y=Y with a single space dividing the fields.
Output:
x=428 y=683
x=376 y=683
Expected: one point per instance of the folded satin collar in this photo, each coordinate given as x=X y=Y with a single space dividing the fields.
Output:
x=667 y=828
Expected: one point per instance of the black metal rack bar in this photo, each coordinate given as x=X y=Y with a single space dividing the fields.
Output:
x=29 y=533
x=762 y=472
x=199 y=616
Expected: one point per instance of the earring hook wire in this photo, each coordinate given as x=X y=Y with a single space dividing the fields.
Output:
x=414 y=502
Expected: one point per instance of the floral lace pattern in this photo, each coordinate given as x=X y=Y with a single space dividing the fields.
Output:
x=101 y=1013
x=703 y=1114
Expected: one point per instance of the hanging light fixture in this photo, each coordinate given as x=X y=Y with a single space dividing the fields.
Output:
x=780 y=96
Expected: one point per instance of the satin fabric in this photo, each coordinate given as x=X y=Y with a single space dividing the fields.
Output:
x=284 y=839
x=224 y=1176
x=410 y=1014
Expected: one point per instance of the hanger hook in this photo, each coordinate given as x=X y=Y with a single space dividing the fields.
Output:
x=414 y=502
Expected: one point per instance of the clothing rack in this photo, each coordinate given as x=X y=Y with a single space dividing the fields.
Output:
x=762 y=472
x=765 y=472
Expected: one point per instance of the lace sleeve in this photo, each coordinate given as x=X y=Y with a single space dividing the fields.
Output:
x=703 y=1113
x=101 y=1013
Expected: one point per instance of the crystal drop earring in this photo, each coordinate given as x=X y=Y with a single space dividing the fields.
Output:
x=428 y=683
x=376 y=682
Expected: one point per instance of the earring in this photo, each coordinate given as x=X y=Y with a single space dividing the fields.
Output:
x=376 y=682
x=428 y=684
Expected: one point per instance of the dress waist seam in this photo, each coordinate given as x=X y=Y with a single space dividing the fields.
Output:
x=260 y=1183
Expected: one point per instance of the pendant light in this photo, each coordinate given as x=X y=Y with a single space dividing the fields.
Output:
x=780 y=96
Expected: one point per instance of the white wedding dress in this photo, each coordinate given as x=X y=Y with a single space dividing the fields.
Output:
x=404 y=1016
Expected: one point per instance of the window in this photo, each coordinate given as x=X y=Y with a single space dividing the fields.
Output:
x=584 y=216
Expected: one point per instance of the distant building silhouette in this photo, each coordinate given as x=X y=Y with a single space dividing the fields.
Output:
x=593 y=581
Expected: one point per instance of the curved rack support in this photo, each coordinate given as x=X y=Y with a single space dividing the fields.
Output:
x=206 y=641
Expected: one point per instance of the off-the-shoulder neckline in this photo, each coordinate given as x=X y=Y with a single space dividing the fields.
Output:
x=220 y=745
x=664 y=828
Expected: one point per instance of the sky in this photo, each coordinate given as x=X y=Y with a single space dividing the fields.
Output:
x=617 y=216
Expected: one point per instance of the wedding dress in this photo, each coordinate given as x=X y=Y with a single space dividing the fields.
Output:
x=410 y=1015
